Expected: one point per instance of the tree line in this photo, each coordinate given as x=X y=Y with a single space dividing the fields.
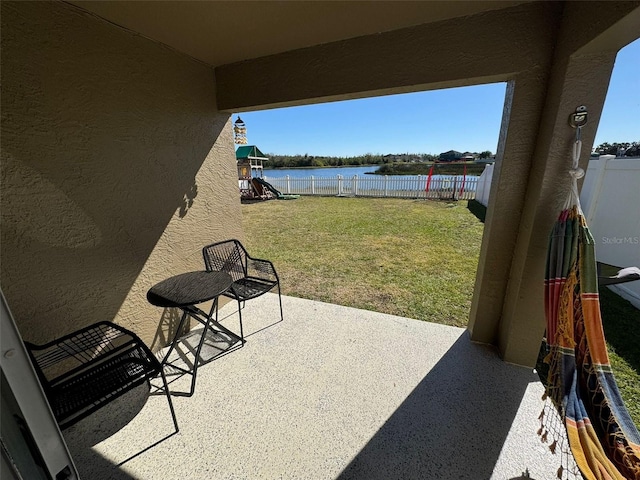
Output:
x=630 y=149
x=306 y=160
x=447 y=168
x=626 y=149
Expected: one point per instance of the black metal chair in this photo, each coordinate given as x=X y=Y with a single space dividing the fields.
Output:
x=252 y=277
x=83 y=371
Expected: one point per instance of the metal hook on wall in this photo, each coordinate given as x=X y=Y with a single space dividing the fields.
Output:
x=578 y=119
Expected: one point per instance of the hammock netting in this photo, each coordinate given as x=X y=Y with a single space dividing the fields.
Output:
x=574 y=364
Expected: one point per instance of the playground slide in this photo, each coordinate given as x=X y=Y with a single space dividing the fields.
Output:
x=279 y=195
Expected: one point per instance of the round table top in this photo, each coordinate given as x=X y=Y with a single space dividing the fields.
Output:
x=189 y=288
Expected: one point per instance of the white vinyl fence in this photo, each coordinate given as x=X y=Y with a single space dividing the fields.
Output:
x=610 y=199
x=445 y=187
x=484 y=185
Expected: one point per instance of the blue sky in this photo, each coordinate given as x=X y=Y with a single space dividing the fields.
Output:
x=464 y=119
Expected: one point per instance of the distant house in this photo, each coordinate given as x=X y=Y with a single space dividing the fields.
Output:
x=450 y=156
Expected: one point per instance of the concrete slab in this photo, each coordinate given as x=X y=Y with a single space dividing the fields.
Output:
x=330 y=393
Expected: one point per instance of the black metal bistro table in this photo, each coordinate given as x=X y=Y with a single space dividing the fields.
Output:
x=185 y=291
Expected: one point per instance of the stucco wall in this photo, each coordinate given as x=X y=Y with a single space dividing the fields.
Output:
x=116 y=169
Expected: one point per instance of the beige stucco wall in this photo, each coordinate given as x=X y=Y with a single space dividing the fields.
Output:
x=116 y=169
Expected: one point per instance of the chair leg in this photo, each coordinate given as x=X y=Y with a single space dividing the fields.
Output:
x=168 y=393
x=280 y=300
x=240 y=317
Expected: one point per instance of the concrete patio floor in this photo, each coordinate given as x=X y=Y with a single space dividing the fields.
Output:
x=330 y=393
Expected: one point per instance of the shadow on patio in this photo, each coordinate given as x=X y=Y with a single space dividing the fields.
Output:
x=331 y=392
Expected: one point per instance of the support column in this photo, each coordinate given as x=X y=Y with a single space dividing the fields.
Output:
x=522 y=111
x=529 y=189
x=579 y=80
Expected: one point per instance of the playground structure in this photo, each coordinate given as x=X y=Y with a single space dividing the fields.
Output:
x=249 y=159
x=250 y=166
x=250 y=176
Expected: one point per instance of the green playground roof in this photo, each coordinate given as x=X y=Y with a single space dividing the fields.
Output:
x=250 y=152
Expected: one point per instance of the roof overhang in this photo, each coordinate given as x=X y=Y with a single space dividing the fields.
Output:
x=224 y=32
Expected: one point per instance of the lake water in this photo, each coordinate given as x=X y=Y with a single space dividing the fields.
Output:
x=346 y=172
x=319 y=172
x=325 y=181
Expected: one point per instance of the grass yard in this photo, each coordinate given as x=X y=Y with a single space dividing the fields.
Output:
x=415 y=259
x=621 y=322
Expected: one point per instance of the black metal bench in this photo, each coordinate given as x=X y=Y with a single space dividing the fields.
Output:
x=83 y=371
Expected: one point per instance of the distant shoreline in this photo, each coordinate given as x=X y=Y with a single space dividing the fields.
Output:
x=444 y=168
x=326 y=166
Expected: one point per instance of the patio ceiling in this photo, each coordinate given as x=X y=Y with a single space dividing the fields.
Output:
x=255 y=29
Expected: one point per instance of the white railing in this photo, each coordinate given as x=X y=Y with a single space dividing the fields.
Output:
x=445 y=187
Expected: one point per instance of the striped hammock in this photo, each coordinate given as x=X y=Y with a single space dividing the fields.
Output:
x=580 y=384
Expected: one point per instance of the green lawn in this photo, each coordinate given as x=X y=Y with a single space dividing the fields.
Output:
x=416 y=259
x=621 y=322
